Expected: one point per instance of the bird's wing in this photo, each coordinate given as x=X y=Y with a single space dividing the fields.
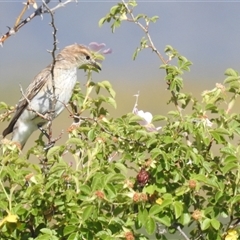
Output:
x=32 y=90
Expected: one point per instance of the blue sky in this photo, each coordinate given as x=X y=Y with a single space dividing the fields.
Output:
x=206 y=32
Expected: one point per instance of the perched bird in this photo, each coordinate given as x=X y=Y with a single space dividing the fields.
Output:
x=37 y=99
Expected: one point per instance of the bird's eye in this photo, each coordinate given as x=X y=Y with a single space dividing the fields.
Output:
x=88 y=57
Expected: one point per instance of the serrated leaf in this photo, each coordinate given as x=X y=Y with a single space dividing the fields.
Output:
x=155 y=209
x=181 y=190
x=110 y=190
x=46 y=231
x=143 y=216
x=205 y=224
x=150 y=226
x=158 y=118
x=111 y=101
x=178 y=209
x=231 y=79
x=114 y=9
x=231 y=72
x=52 y=151
x=135 y=118
x=85 y=189
x=73 y=236
x=101 y=21
x=185 y=218
x=76 y=141
x=91 y=134
x=166 y=202
x=215 y=223
x=87 y=212
x=164 y=219
x=154 y=19
x=107 y=85
x=69 y=229
x=228 y=167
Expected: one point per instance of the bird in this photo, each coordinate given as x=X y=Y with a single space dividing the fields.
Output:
x=37 y=99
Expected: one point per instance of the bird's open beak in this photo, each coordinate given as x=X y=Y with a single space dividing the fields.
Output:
x=95 y=64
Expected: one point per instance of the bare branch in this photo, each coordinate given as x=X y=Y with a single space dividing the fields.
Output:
x=154 y=49
x=53 y=97
x=61 y=4
x=182 y=232
x=40 y=10
x=45 y=117
x=145 y=29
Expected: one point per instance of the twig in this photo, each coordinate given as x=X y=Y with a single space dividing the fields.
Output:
x=182 y=232
x=30 y=108
x=154 y=49
x=112 y=134
x=136 y=102
x=61 y=4
x=53 y=97
x=6 y=114
x=145 y=29
x=40 y=10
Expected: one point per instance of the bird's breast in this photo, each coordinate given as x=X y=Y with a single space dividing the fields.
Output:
x=64 y=82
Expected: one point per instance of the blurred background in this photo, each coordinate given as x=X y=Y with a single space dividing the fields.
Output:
x=206 y=32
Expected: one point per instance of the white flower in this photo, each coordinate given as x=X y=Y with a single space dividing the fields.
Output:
x=147 y=120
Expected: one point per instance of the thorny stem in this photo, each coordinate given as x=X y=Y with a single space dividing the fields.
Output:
x=75 y=117
x=29 y=106
x=152 y=46
x=145 y=29
x=154 y=49
x=112 y=134
x=37 y=12
x=182 y=232
x=53 y=100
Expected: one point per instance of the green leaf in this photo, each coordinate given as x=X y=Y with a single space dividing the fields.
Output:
x=132 y=3
x=181 y=190
x=101 y=21
x=135 y=118
x=231 y=79
x=178 y=209
x=185 y=218
x=91 y=134
x=110 y=190
x=107 y=85
x=69 y=229
x=76 y=141
x=231 y=72
x=46 y=231
x=114 y=9
x=154 y=19
x=150 y=226
x=53 y=151
x=158 y=118
x=87 y=212
x=164 y=219
x=155 y=209
x=73 y=236
x=140 y=16
x=85 y=189
x=229 y=167
x=166 y=202
x=143 y=216
x=215 y=224
x=205 y=224
x=111 y=101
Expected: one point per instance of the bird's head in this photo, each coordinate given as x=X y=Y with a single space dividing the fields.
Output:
x=78 y=55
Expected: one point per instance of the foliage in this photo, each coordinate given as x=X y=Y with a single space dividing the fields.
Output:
x=116 y=178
